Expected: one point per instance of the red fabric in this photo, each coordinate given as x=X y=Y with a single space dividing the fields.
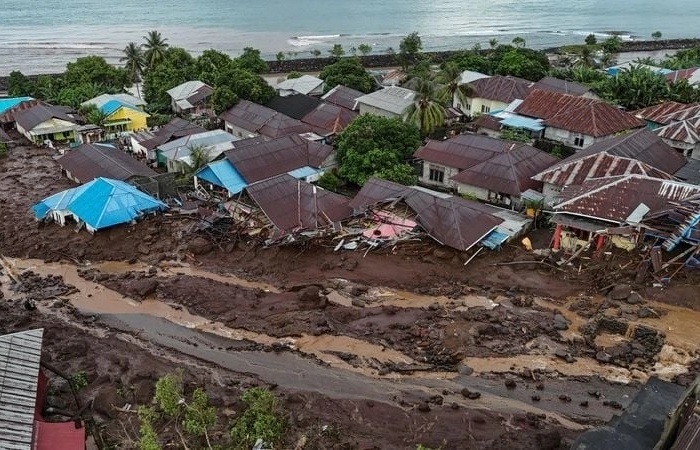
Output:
x=41 y=388
x=58 y=436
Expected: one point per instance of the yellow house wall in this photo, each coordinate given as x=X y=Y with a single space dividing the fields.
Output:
x=623 y=242
x=570 y=242
x=137 y=118
x=476 y=103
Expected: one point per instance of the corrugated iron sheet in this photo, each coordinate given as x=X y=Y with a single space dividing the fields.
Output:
x=561 y=86
x=248 y=115
x=20 y=357
x=8 y=116
x=462 y=151
x=90 y=161
x=578 y=114
x=174 y=129
x=343 y=96
x=31 y=117
x=659 y=113
x=501 y=88
x=328 y=118
x=281 y=125
x=685 y=131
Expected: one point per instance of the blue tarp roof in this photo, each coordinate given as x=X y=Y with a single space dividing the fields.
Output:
x=101 y=203
x=523 y=122
x=494 y=239
x=222 y=174
x=113 y=105
x=7 y=103
x=303 y=172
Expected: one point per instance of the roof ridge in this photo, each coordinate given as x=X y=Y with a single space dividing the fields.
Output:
x=600 y=188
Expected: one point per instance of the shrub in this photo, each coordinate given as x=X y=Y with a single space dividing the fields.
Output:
x=262 y=419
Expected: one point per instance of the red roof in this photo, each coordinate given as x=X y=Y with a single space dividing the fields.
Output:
x=682 y=74
x=58 y=436
x=639 y=152
x=578 y=114
x=687 y=131
x=328 y=118
x=501 y=88
x=659 y=113
x=488 y=121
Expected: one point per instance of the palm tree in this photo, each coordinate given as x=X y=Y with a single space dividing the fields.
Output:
x=155 y=46
x=426 y=112
x=518 y=42
x=200 y=156
x=134 y=62
x=449 y=77
x=493 y=42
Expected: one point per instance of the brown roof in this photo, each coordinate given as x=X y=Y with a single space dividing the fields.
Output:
x=343 y=96
x=40 y=113
x=328 y=118
x=248 y=115
x=9 y=115
x=578 y=114
x=295 y=106
x=202 y=93
x=462 y=151
x=638 y=152
x=90 y=161
x=687 y=131
x=488 y=121
x=553 y=84
x=452 y=221
x=294 y=205
x=659 y=113
x=682 y=74
x=614 y=199
x=281 y=125
x=259 y=161
x=509 y=172
x=172 y=130
x=501 y=88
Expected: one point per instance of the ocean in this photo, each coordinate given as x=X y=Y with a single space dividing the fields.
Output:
x=41 y=36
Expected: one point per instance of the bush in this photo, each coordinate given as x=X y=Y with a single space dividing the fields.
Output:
x=3 y=149
x=261 y=420
x=79 y=379
x=148 y=439
x=169 y=393
x=331 y=181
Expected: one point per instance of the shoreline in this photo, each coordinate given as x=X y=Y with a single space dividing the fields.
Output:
x=388 y=60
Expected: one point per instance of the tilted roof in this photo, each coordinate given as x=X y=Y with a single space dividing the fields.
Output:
x=191 y=91
x=248 y=115
x=11 y=102
x=343 y=96
x=127 y=99
x=553 y=84
x=578 y=114
x=500 y=88
x=393 y=99
x=8 y=116
x=687 y=131
x=638 y=152
x=40 y=113
x=294 y=205
x=174 y=129
x=295 y=106
x=90 y=161
x=615 y=198
x=659 y=113
x=328 y=118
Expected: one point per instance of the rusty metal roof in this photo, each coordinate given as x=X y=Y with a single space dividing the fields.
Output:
x=248 y=115
x=638 y=152
x=328 y=118
x=20 y=358
x=462 y=151
x=40 y=113
x=295 y=106
x=343 y=96
x=174 y=129
x=488 y=121
x=377 y=190
x=615 y=198
x=90 y=161
x=686 y=131
x=503 y=89
x=281 y=125
x=509 y=172
x=561 y=86
x=659 y=113
x=259 y=161
x=294 y=205
x=578 y=114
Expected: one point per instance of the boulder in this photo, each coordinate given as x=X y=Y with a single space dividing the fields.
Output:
x=620 y=291
x=142 y=288
x=309 y=294
x=634 y=299
x=464 y=369
x=199 y=246
x=560 y=322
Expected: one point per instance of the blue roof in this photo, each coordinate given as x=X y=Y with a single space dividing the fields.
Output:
x=222 y=174
x=303 y=172
x=101 y=203
x=111 y=106
x=494 y=239
x=7 y=103
x=522 y=122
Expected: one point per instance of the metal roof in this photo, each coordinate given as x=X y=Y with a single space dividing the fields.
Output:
x=469 y=75
x=462 y=151
x=393 y=99
x=526 y=123
x=222 y=173
x=328 y=118
x=191 y=91
x=660 y=113
x=638 y=152
x=8 y=116
x=561 y=86
x=503 y=89
x=278 y=156
x=40 y=113
x=215 y=141
x=11 y=102
x=343 y=96
x=616 y=198
x=294 y=205
x=20 y=359
x=303 y=85
x=90 y=161
x=127 y=99
x=174 y=129
x=248 y=115
x=295 y=106
x=686 y=131
x=282 y=125
x=578 y=114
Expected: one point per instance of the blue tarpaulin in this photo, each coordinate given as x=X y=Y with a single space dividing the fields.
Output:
x=523 y=122
x=494 y=239
x=101 y=203
x=222 y=174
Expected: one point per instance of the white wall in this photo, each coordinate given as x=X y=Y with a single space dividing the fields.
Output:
x=449 y=173
x=238 y=131
x=567 y=137
x=550 y=192
x=376 y=111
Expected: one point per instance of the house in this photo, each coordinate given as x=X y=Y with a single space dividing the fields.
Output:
x=247 y=119
x=488 y=169
x=8 y=103
x=691 y=75
x=343 y=96
x=191 y=98
x=576 y=121
x=684 y=136
x=659 y=115
x=614 y=70
x=177 y=155
x=7 y=117
x=144 y=143
x=44 y=122
x=639 y=152
x=389 y=102
x=328 y=119
x=98 y=204
x=584 y=212
x=295 y=106
x=90 y=161
x=469 y=76
x=305 y=85
x=120 y=114
x=25 y=387
x=553 y=84
x=494 y=94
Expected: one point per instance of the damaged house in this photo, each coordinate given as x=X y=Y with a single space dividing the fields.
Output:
x=247 y=119
x=90 y=161
x=144 y=143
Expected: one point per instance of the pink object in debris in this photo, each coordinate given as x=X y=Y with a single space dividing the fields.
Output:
x=388 y=226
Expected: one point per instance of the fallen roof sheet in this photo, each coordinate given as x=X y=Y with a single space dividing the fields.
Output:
x=174 y=129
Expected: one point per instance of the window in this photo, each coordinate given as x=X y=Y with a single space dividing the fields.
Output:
x=485 y=109
x=467 y=107
x=578 y=140
x=436 y=174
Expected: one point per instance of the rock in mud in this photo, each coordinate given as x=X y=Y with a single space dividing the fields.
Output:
x=424 y=407
x=620 y=292
x=511 y=384
x=535 y=398
x=603 y=357
x=142 y=288
x=643 y=313
x=563 y=354
x=634 y=299
x=309 y=294
x=560 y=322
x=471 y=395
x=358 y=302
x=199 y=246
x=464 y=369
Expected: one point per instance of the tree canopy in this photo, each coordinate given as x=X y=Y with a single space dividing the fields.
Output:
x=410 y=50
x=504 y=60
x=350 y=73
x=377 y=146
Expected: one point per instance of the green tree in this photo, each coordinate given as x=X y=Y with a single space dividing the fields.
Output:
x=294 y=74
x=350 y=73
x=473 y=61
x=148 y=439
x=134 y=62
x=199 y=415
x=410 y=50
x=200 y=156
x=48 y=88
x=522 y=62
x=210 y=64
x=360 y=167
x=316 y=52
x=262 y=419
x=684 y=92
x=516 y=135
x=280 y=57
x=591 y=39
x=635 y=88
x=451 y=90
x=222 y=99
x=613 y=44
x=493 y=43
x=155 y=47
x=176 y=67
x=586 y=57
x=656 y=35
x=93 y=115
x=518 y=42
x=427 y=112
x=169 y=393
x=337 y=51
x=18 y=85
x=365 y=49
x=245 y=84
x=94 y=69
x=252 y=61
